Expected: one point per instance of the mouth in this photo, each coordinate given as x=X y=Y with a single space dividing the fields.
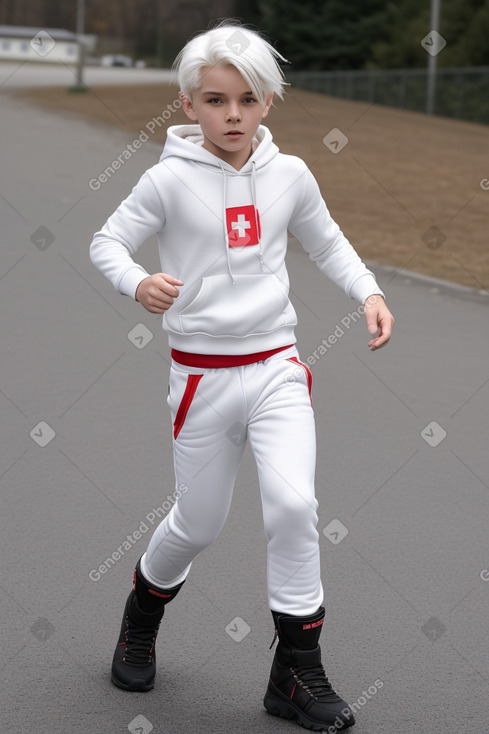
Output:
x=234 y=134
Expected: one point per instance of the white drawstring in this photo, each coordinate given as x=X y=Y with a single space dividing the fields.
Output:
x=255 y=209
x=224 y=219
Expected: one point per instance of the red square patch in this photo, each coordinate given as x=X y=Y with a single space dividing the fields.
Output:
x=243 y=226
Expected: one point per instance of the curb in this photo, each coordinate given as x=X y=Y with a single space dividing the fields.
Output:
x=477 y=295
x=438 y=286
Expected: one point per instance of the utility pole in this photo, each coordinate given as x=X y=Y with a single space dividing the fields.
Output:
x=80 y=29
x=433 y=57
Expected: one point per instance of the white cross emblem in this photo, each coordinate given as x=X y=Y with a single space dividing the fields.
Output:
x=241 y=225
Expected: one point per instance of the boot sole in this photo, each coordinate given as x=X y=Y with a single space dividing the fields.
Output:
x=283 y=707
x=134 y=686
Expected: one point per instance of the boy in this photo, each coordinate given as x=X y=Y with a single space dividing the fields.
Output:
x=221 y=200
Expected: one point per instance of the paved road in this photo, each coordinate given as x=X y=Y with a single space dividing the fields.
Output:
x=85 y=469
x=19 y=74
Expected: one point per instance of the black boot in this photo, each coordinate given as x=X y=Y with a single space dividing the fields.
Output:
x=298 y=688
x=134 y=663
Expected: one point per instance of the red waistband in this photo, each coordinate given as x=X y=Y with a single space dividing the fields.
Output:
x=215 y=361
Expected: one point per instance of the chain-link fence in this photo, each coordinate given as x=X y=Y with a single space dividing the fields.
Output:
x=460 y=92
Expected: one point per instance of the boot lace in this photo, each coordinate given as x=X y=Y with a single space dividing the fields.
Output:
x=314 y=681
x=140 y=642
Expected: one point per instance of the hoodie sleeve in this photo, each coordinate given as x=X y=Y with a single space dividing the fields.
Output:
x=312 y=224
x=139 y=217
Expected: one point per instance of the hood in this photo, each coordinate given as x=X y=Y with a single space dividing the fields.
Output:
x=185 y=141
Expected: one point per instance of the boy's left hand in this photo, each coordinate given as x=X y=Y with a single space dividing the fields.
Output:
x=380 y=320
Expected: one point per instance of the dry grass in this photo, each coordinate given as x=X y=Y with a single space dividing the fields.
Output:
x=400 y=174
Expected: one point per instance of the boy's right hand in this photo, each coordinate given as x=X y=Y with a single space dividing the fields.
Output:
x=157 y=292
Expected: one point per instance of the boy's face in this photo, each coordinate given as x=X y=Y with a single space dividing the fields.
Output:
x=228 y=113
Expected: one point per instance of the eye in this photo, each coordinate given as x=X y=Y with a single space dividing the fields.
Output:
x=249 y=100
x=214 y=100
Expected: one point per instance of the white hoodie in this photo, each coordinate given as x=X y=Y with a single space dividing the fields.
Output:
x=223 y=233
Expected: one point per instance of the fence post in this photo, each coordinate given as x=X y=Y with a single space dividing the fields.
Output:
x=371 y=87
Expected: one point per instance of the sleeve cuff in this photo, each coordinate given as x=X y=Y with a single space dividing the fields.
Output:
x=129 y=282
x=364 y=287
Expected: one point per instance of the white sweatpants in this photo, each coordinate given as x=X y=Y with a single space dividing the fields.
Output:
x=214 y=411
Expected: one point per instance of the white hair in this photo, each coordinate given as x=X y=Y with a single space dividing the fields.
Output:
x=231 y=44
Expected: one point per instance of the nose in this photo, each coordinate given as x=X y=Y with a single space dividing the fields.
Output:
x=233 y=112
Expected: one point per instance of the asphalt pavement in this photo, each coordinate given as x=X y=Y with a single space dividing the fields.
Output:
x=14 y=75
x=86 y=471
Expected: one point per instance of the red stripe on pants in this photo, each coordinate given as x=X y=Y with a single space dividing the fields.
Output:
x=188 y=396
x=307 y=371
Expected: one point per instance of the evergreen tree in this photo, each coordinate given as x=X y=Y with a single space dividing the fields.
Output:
x=248 y=11
x=464 y=24
x=324 y=35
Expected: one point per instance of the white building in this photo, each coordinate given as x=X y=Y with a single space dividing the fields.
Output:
x=20 y=43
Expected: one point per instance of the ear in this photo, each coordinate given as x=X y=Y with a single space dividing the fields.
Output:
x=187 y=106
x=268 y=104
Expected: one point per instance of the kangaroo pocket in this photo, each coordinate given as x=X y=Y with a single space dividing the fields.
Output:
x=254 y=304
